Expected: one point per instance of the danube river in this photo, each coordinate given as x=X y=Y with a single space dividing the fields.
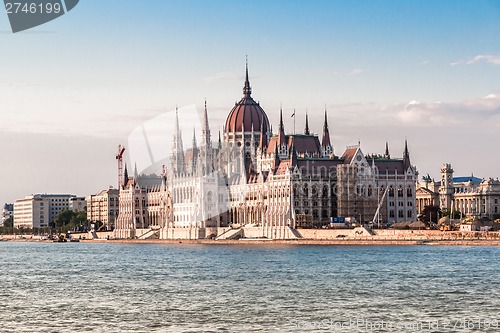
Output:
x=101 y=287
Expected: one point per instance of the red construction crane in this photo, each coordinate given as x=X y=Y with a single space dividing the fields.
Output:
x=119 y=158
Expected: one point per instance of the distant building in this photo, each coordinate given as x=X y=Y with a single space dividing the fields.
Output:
x=39 y=210
x=7 y=213
x=103 y=207
x=78 y=204
x=471 y=196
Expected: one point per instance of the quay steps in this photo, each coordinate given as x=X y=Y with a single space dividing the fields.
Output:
x=152 y=233
x=231 y=234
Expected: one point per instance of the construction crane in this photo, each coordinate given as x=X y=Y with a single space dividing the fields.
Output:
x=377 y=213
x=119 y=158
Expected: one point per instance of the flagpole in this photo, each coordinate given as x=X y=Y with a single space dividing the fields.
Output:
x=293 y=121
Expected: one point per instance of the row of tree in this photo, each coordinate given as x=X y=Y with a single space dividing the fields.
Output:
x=67 y=220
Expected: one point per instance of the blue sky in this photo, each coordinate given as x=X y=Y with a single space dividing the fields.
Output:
x=428 y=71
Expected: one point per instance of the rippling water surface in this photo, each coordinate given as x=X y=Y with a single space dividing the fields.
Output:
x=93 y=287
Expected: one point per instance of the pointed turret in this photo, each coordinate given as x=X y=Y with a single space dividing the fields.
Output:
x=387 y=154
x=325 y=140
x=206 y=129
x=263 y=139
x=125 y=176
x=406 y=156
x=178 y=149
x=136 y=174
x=281 y=131
x=247 y=90
x=293 y=153
x=276 y=161
x=194 y=156
x=306 y=130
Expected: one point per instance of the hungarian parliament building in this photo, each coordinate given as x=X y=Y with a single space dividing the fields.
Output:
x=255 y=183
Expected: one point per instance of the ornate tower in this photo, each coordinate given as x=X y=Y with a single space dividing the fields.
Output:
x=245 y=115
x=178 y=165
x=446 y=189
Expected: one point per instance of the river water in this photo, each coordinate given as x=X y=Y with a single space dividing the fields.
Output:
x=105 y=287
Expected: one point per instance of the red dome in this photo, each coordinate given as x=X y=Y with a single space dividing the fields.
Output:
x=246 y=113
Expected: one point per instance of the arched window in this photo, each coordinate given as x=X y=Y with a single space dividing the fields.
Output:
x=409 y=192
x=391 y=213
x=391 y=191
x=370 y=190
x=400 y=191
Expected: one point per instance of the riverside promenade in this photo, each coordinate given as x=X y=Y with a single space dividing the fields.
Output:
x=313 y=237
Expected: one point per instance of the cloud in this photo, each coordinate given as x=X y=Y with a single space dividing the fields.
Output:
x=488 y=58
x=355 y=72
x=477 y=111
x=224 y=77
x=424 y=62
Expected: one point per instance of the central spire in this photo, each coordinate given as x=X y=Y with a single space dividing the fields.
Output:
x=247 y=90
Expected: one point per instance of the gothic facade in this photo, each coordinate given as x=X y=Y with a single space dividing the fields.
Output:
x=268 y=183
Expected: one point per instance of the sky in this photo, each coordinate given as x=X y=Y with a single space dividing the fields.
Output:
x=73 y=89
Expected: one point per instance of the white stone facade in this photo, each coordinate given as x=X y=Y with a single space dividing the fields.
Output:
x=471 y=196
x=271 y=183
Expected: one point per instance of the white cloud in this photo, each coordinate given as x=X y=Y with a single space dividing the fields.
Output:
x=475 y=111
x=224 y=77
x=355 y=72
x=488 y=58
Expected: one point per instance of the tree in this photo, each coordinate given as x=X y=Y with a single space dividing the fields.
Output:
x=70 y=220
x=9 y=223
x=447 y=212
x=430 y=214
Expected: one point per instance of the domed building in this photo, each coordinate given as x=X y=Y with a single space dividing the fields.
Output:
x=245 y=122
x=246 y=116
x=254 y=183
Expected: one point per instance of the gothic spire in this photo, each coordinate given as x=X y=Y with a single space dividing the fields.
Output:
x=263 y=138
x=247 y=90
x=293 y=153
x=125 y=176
x=194 y=156
x=387 y=155
x=406 y=153
x=206 y=128
x=178 y=149
x=306 y=130
x=220 y=142
x=281 y=130
x=406 y=156
x=325 y=141
x=276 y=158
